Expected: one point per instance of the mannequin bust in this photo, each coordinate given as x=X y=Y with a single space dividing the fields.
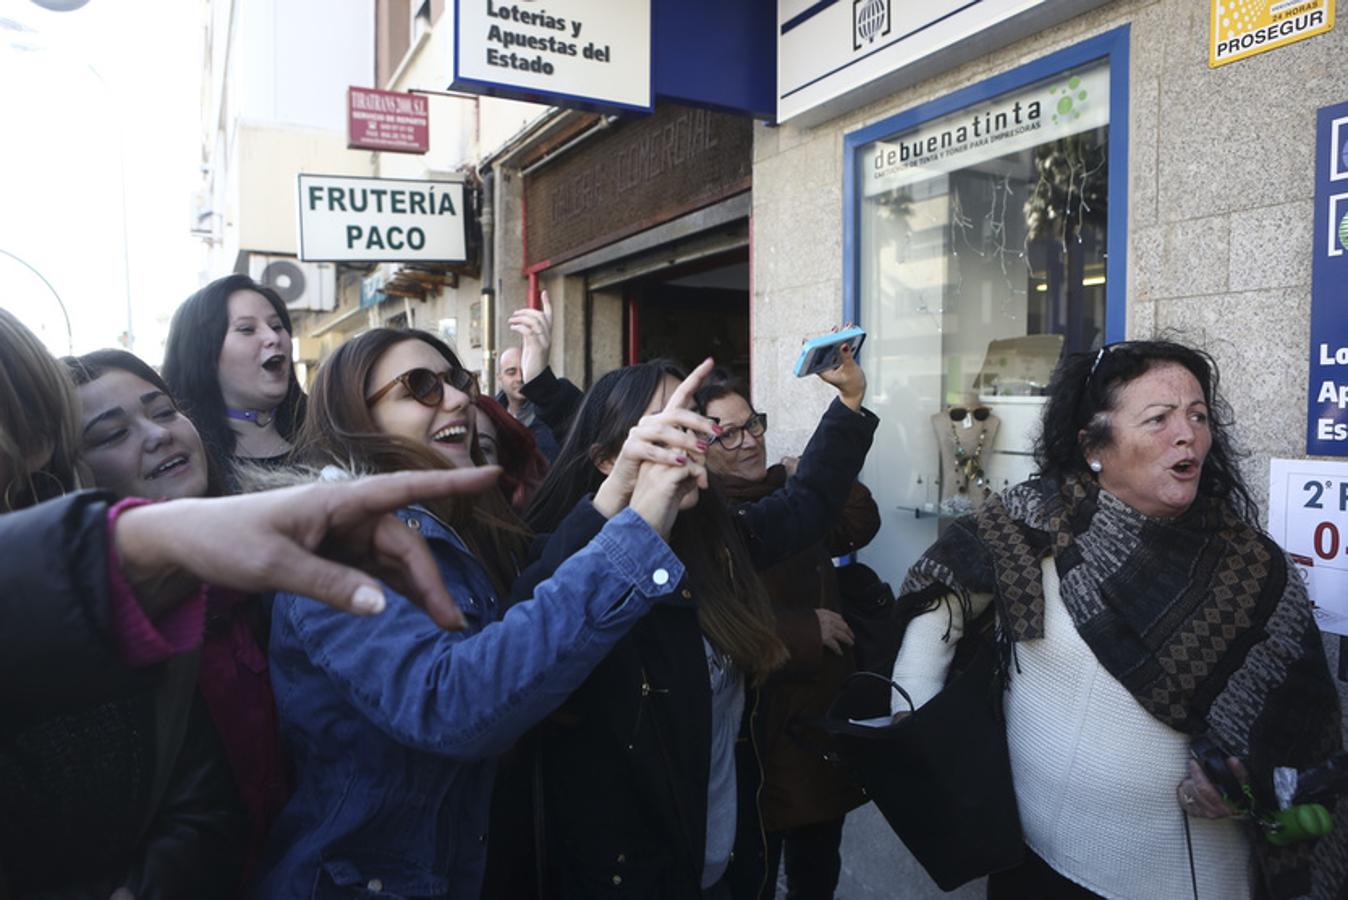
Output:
x=965 y=434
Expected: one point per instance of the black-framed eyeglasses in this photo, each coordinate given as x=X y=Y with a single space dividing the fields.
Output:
x=428 y=387
x=733 y=436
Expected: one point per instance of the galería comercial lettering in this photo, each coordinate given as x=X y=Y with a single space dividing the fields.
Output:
x=409 y=201
x=518 y=30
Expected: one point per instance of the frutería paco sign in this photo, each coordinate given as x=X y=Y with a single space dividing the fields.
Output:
x=351 y=219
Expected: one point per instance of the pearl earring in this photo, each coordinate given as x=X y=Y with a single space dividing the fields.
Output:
x=1095 y=466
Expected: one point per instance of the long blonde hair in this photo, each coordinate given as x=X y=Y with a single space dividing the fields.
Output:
x=39 y=420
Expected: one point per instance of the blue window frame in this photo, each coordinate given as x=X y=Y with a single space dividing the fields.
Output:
x=1111 y=46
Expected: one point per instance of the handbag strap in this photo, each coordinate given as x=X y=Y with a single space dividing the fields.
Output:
x=833 y=707
x=1189 y=842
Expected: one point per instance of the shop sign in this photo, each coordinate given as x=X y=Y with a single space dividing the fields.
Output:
x=387 y=120
x=350 y=219
x=1072 y=103
x=639 y=174
x=1308 y=517
x=1327 y=403
x=591 y=53
x=833 y=56
x=1242 y=28
x=372 y=289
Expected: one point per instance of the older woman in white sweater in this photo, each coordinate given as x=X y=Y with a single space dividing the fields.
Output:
x=1140 y=608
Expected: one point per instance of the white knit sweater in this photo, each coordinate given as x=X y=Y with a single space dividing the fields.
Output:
x=1095 y=773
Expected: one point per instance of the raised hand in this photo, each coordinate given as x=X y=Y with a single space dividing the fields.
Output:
x=848 y=378
x=534 y=326
x=674 y=436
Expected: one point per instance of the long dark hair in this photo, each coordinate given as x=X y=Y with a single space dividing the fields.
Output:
x=523 y=467
x=38 y=420
x=1085 y=387
x=340 y=430
x=733 y=607
x=192 y=359
x=92 y=366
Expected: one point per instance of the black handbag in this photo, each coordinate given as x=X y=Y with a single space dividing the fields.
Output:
x=941 y=776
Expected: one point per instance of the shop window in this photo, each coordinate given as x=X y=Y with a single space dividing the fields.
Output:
x=981 y=239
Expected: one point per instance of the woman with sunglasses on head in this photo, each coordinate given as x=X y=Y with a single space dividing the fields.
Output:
x=646 y=790
x=394 y=725
x=1143 y=621
x=228 y=362
x=805 y=797
x=137 y=443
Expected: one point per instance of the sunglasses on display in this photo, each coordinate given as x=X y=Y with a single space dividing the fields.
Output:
x=733 y=436
x=959 y=413
x=427 y=387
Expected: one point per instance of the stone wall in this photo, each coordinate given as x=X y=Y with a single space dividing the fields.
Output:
x=1220 y=200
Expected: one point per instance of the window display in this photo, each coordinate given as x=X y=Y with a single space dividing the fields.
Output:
x=981 y=258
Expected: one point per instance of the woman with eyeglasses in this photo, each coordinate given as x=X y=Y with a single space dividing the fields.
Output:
x=805 y=797
x=646 y=788
x=393 y=723
x=228 y=363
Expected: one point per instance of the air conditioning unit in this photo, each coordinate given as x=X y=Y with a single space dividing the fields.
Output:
x=302 y=285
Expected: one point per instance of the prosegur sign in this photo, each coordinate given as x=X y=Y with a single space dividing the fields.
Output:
x=1327 y=405
x=582 y=52
x=1242 y=28
x=350 y=219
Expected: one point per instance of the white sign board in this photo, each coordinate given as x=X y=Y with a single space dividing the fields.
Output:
x=1064 y=105
x=581 y=52
x=834 y=56
x=349 y=219
x=1308 y=516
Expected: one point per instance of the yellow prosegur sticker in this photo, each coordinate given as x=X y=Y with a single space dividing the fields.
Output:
x=1242 y=28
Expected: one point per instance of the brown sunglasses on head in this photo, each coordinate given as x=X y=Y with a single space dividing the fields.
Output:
x=427 y=387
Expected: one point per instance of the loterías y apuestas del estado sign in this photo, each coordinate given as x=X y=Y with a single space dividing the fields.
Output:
x=351 y=219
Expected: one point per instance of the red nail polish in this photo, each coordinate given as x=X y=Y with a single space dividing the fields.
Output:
x=682 y=460
x=717 y=428
x=702 y=445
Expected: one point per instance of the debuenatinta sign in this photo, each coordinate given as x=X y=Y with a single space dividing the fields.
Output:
x=350 y=219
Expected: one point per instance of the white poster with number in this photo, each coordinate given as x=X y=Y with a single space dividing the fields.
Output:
x=1308 y=516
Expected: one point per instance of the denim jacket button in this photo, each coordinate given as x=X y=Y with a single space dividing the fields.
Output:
x=375 y=885
x=660 y=577
x=415 y=525
x=622 y=857
x=617 y=880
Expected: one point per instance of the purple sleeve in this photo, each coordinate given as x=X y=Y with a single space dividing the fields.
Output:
x=141 y=642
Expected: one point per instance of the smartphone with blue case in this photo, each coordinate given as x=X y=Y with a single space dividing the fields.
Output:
x=825 y=352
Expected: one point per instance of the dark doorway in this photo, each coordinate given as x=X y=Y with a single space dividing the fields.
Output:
x=692 y=311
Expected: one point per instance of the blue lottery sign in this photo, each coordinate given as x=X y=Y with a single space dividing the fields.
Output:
x=1327 y=406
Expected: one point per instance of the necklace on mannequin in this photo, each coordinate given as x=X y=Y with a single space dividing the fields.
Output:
x=969 y=466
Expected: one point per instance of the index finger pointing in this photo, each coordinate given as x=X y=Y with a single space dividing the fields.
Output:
x=683 y=394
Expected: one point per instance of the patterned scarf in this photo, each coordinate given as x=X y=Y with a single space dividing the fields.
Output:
x=1196 y=616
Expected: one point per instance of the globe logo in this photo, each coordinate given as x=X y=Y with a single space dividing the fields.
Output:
x=871 y=20
x=1343 y=231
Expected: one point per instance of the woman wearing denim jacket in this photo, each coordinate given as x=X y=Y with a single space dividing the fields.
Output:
x=394 y=724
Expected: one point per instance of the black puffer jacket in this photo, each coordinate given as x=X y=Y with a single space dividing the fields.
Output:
x=109 y=777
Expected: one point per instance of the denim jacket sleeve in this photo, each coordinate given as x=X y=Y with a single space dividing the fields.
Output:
x=804 y=510
x=469 y=695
